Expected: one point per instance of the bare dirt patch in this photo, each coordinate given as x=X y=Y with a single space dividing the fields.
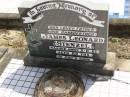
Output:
x=12 y=38
x=120 y=45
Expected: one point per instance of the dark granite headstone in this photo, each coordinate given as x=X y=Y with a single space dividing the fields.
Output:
x=66 y=33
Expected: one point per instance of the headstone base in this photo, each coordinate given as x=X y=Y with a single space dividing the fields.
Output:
x=107 y=69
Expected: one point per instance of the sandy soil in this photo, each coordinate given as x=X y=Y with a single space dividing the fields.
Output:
x=120 y=45
x=12 y=38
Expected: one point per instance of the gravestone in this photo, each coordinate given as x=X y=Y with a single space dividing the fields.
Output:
x=66 y=33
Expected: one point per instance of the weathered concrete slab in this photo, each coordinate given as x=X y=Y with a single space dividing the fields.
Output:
x=121 y=21
x=111 y=61
x=11 y=53
x=2 y=52
x=114 y=63
x=9 y=9
x=9 y=16
x=123 y=65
